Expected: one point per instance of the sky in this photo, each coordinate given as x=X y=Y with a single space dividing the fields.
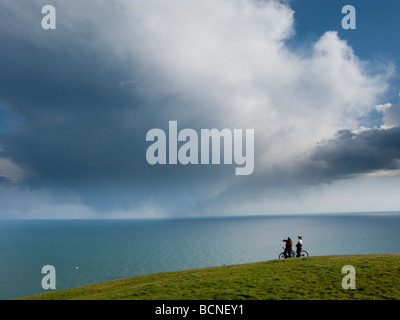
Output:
x=77 y=101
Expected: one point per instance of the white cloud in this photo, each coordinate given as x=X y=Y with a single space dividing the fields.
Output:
x=391 y=115
x=10 y=171
x=227 y=64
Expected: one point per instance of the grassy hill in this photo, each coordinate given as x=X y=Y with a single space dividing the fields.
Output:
x=377 y=277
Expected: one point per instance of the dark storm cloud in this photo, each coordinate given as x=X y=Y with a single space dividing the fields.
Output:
x=79 y=123
x=67 y=104
x=80 y=119
x=347 y=155
x=357 y=153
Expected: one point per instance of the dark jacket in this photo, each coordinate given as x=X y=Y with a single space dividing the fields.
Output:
x=289 y=243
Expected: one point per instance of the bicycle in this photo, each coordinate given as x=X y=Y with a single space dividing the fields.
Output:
x=292 y=254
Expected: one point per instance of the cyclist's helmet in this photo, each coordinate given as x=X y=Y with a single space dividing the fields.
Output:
x=289 y=238
x=300 y=236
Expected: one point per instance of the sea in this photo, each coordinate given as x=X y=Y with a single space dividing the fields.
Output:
x=89 y=251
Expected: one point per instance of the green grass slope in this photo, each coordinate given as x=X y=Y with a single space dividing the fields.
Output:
x=377 y=277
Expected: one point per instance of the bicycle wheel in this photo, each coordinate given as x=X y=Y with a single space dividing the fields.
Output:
x=303 y=253
x=282 y=256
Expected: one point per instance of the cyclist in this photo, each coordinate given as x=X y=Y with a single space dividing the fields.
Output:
x=299 y=245
x=288 y=247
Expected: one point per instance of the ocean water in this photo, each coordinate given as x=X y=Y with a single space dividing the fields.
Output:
x=90 y=251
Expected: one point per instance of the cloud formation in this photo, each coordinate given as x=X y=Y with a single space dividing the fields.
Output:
x=391 y=114
x=86 y=94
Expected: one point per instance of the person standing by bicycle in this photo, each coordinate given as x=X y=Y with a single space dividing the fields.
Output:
x=299 y=245
x=288 y=247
